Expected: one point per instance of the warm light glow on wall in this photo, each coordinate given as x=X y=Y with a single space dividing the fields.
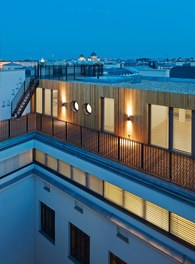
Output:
x=129 y=123
x=63 y=109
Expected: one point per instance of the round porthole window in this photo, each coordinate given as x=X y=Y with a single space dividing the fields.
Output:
x=75 y=106
x=87 y=109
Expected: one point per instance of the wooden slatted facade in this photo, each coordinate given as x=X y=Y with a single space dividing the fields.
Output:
x=128 y=101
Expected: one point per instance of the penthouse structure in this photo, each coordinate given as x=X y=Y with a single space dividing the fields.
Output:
x=101 y=171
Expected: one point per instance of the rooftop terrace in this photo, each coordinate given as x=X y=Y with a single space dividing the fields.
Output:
x=183 y=86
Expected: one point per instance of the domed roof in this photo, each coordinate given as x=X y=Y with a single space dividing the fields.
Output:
x=93 y=54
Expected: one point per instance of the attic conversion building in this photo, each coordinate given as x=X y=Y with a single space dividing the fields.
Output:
x=101 y=171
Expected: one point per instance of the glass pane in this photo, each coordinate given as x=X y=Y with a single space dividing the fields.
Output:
x=183 y=228
x=55 y=103
x=64 y=169
x=79 y=176
x=95 y=184
x=133 y=203
x=182 y=129
x=52 y=162
x=40 y=156
x=47 y=109
x=157 y=215
x=24 y=158
x=159 y=126
x=109 y=114
x=39 y=100
x=113 y=193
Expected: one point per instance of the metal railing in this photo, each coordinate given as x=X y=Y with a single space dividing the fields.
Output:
x=19 y=94
x=67 y=72
x=168 y=165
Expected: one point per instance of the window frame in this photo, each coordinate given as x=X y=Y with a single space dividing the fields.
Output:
x=47 y=226
x=113 y=259
x=79 y=245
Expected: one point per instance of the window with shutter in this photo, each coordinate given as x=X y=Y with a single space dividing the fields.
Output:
x=157 y=215
x=113 y=193
x=52 y=162
x=64 y=169
x=79 y=176
x=95 y=184
x=182 y=228
x=133 y=203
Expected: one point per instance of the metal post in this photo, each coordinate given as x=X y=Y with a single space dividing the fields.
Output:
x=170 y=140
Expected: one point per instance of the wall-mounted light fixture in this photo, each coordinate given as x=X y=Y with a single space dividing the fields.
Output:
x=64 y=104
x=130 y=118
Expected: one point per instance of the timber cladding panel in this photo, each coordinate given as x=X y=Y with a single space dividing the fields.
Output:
x=128 y=101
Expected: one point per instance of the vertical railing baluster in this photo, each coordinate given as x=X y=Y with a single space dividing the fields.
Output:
x=142 y=155
x=119 y=150
x=81 y=136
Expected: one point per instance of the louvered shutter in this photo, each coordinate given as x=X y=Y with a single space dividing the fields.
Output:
x=183 y=228
x=95 y=184
x=40 y=156
x=64 y=169
x=52 y=163
x=79 y=176
x=133 y=203
x=157 y=215
x=24 y=158
x=113 y=193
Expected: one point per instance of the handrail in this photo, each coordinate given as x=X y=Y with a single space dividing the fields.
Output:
x=19 y=94
x=172 y=166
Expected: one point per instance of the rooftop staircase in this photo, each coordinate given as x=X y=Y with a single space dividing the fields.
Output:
x=23 y=97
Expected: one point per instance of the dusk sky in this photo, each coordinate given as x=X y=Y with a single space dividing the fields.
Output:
x=129 y=29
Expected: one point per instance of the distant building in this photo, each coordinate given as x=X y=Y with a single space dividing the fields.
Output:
x=81 y=58
x=12 y=66
x=93 y=57
x=10 y=83
x=187 y=72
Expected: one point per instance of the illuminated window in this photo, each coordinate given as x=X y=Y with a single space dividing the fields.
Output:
x=52 y=162
x=39 y=102
x=40 y=156
x=64 y=169
x=134 y=204
x=95 y=184
x=157 y=216
x=75 y=106
x=87 y=109
x=47 y=104
x=108 y=115
x=183 y=228
x=55 y=103
x=79 y=176
x=159 y=126
x=113 y=193
x=182 y=129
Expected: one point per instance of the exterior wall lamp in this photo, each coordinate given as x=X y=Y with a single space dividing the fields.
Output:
x=130 y=118
x=64 y=104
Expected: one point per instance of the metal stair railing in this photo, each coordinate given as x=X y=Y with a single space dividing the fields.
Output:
x=24 y=97
x=19 y=95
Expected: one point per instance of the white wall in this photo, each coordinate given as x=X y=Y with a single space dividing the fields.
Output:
x=10 y=83
x=17 y=223
x=102 y=234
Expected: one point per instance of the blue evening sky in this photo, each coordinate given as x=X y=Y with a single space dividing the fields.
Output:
x=111 y=28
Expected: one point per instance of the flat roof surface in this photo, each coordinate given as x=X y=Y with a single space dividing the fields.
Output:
x=160 y=84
